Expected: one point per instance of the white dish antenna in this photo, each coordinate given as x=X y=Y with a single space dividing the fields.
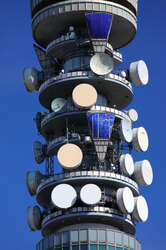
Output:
x=101 y=64
x=70 y=156
x=127 y=164
x=63 y=196
x=31 y=79
x=84 y=96
x=138 y=72
x=33 y=179
x=143 y=173
x=38 y=152
x=140 y=212
x=90 y=194
x=34 y=218
x=59 y=105
x=125 y=200
x=126 y=130
x=132 y=113
x=140 y=139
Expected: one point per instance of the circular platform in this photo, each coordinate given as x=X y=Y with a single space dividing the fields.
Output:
x=76 y=178
x=90 y=215
x=117 y=90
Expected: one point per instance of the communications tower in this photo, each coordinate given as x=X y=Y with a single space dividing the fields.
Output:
x=94 y=202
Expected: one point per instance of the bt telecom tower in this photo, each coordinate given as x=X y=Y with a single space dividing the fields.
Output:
x=93 y=203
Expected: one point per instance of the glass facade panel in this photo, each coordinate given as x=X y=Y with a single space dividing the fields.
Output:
x=101 y=235
x=66 y=248
x=84 y=247
x=131 y=242
x=126 y=240
x=102 y=247
x=51 y=241
x=83 y=235
x=110 y=236
x=118 y=238
x=58 y=239
x=74 y=236
x=119 y=248
x=93 y=247
x=76 y=247
x=111 y=248
x=46 y=243
x=66 y=237
x=93 y=235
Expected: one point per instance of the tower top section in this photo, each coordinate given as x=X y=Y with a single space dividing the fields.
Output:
x=51 y=19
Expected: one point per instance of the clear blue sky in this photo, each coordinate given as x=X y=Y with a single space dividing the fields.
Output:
x=18 y=131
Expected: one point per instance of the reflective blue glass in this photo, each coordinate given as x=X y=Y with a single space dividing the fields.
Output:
x=101 y=125
x=99 y=24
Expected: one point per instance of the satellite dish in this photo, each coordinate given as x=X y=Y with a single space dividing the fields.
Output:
x=132 y=113
x=125 y=200
x=38 y=152
x=127 y=164
x=63 y=196
x=59 y=105
x=33 y=179
x=34 y=218
x=90 y=194
x=101 y=64
x=140 y=212
x=31 y=79
x=138 y=72
x=69 y=156
x=84 y=96
x=126 y=130
x=143 y=173
x=140 y=139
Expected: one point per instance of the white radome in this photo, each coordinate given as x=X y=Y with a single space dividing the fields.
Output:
x=90 y=194
x=63 y=196
x=70 y=156
x=139 y=73
x=140 y=212
x=126 y=130
x=84 y=96
x=125 y=200
x=140 y=139
x=143 y=173
x=132 y=113
x=126 y=164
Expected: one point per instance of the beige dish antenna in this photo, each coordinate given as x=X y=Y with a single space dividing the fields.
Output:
x=70 y=156
x=140 y=139
x=140 y=212
x=84 y=96
x=143 y=173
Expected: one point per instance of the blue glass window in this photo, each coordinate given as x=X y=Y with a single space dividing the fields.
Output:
x=84 y=247
x=93 y=247
x=99 y=24
x=101 y=125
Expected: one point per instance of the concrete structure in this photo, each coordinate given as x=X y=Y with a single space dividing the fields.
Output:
x=94 y=202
